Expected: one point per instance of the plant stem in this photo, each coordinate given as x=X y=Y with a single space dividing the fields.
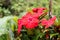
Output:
x=50 y=8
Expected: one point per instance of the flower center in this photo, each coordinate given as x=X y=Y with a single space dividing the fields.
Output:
x=30 y=19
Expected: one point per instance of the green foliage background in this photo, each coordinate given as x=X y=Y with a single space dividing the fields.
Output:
x=12 y=9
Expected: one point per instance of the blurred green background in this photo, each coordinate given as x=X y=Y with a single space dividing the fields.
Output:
x=11 y=10
x=15 y=7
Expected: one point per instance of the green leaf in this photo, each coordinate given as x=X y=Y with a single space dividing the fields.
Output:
x=7 y=25
x=38 y=34
x=57 y=22
x=3 y=25
x=51 y=35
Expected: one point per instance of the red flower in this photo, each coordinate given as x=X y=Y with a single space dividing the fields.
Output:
x=19 y=25
x=37 y=12
x=28 y=21
x=48 y=23
x=31 y=22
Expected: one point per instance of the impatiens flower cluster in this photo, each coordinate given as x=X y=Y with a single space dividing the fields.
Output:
x=31 y=19
x=48 y=23
x=28 y=21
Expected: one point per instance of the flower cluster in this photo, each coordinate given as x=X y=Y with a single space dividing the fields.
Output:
x=31 y=19
x=48 y=23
